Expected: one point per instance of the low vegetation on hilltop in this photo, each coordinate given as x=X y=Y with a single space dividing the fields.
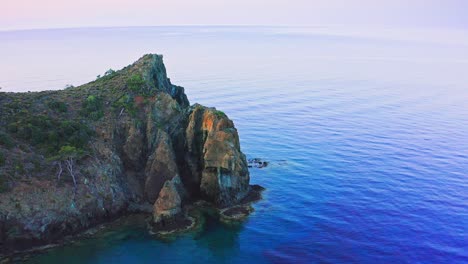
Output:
x=35 y=128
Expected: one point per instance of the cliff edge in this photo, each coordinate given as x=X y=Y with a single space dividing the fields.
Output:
x=126 y=142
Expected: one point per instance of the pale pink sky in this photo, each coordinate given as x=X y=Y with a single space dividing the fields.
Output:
x=25 y=14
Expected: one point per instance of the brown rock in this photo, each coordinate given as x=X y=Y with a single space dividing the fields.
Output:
x=161 y=166
x=215 y=158
x=236 y=213
x=132 y=148
x=168 y=204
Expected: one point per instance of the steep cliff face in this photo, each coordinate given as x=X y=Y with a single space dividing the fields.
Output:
x=214 y=156
x=127 y=142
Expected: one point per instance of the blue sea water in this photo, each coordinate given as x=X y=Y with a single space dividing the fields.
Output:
x=366 y=131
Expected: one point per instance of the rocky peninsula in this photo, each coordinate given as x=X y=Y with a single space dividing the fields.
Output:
x=128 y=142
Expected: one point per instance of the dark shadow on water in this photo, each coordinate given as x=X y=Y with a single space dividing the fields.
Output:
x=221 y=239
x=89 y=247
x=128 y=239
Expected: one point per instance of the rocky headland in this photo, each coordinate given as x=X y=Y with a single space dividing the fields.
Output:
x=128 y=142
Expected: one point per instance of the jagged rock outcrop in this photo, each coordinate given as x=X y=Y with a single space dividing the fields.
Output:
x=160 y=167
x=141 y=146
x=214 y=156
x=167 y=210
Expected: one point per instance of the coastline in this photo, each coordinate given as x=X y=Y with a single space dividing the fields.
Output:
x=195 y=212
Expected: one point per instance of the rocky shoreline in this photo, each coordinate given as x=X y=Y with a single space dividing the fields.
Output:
x=128 y=142
x=188 y=218
x=191 y=221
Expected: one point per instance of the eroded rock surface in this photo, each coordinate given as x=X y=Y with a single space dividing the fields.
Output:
x=149 y=148
x=168 y=206
x=160 y=167
x=214 y=156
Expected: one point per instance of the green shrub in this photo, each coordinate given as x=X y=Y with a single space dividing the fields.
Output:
x=2 y=159
x=14 y=106
x=67 y=152
x=37 y=165
x=3 y=183
x=93 y=107
x=58 y=106
x=19 y=167
x=6 y=140
x=126 y=102
x=137 y=123
x=12 y=127
x=109 y=72
x=50 y=134
x=135 y=83
x=219 y=113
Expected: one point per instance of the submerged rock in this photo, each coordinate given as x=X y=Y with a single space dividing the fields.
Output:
x=235 y=213
x=257 y=163
x=240 y=211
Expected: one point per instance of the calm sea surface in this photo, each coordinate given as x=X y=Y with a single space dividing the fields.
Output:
x=366 y=131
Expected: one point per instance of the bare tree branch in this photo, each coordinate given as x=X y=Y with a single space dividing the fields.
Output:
x=60 y=170
x=70 y=170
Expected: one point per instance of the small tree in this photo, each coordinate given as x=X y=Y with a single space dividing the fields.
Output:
x=93 y=107
x=68 y=155
x=109 y=72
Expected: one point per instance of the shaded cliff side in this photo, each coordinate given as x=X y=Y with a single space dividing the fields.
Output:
x=126 y=142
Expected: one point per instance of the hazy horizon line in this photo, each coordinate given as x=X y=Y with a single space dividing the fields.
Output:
x=3 y=30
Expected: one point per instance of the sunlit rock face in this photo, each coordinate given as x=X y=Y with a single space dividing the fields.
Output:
x=169 y=202
x=214 y=156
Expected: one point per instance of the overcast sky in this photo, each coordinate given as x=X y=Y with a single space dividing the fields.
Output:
x=26 y=14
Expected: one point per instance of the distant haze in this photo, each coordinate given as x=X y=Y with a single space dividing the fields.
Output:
x=27 y=14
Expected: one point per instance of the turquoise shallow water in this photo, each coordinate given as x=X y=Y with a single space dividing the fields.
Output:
x=366 y=133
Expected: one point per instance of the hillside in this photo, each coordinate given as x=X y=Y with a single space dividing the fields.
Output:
x=126 y=142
